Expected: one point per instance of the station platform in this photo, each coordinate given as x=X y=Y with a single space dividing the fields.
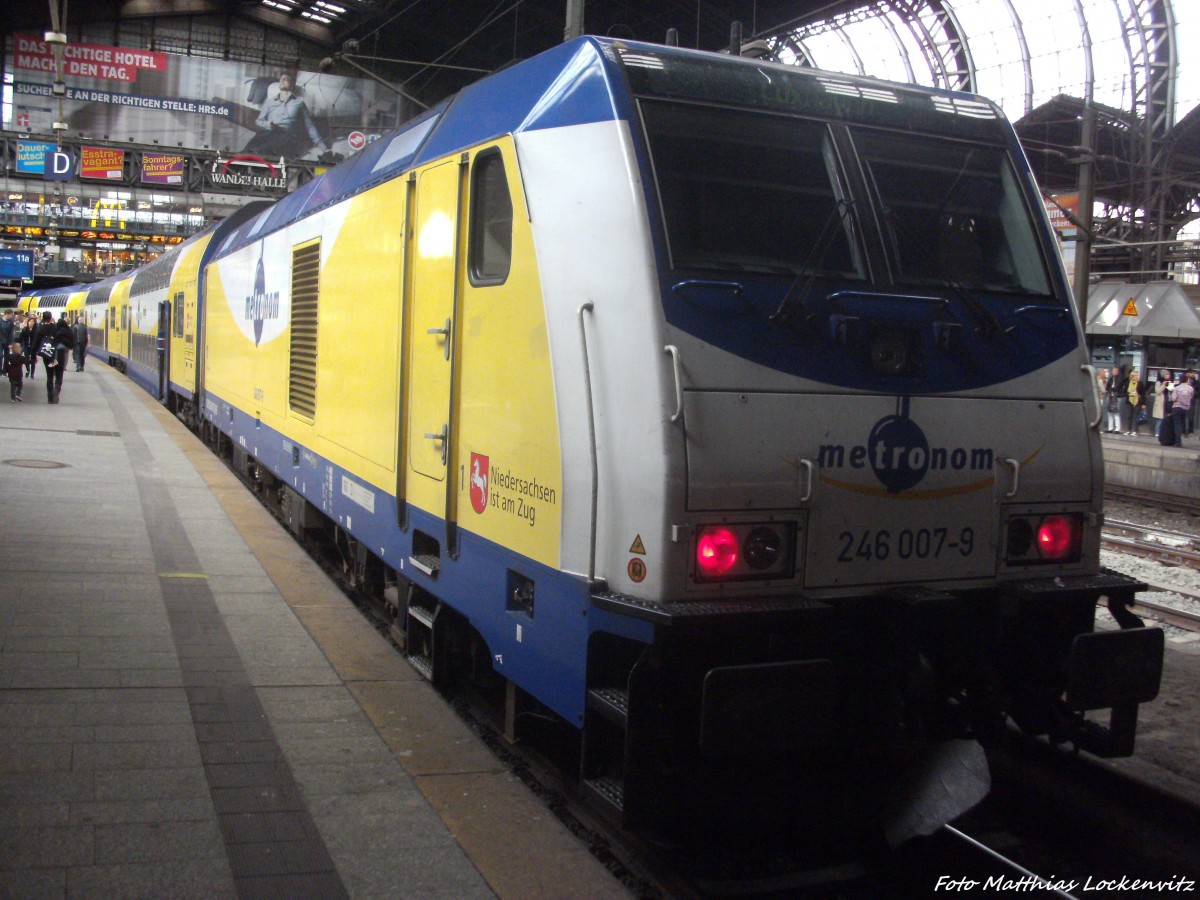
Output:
x=190 y=708
x=1140 y=462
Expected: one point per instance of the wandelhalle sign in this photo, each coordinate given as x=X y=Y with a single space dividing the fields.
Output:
x=248 y=172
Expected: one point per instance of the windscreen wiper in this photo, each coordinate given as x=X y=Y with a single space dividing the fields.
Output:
x=786 y=311
x=988 y=323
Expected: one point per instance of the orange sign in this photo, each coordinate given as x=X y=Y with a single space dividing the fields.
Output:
x=1130 y=308
x=101 y=162
x=1061 y=207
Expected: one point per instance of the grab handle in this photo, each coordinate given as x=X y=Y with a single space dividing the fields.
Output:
x=674 y=351
x=1016 y=476
x=442 y=331
x=808 y=471
x=1090 y=371
x=585 y=311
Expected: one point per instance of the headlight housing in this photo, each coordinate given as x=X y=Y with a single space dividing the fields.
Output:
x=744 y=551
x=1043 y=539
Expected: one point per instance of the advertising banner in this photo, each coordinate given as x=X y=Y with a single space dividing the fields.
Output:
x=182 y=101
x=1061 y=207
x=162 y=168
x=31 y=156
x=88 y=60
x=101 y=162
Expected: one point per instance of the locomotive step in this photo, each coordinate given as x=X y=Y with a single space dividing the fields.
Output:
x=422 y=615
x=609 y=790
x=425 y=562
x=422 y=664
x=610 y=702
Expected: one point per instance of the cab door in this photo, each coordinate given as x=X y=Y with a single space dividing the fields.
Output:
x=433 y=296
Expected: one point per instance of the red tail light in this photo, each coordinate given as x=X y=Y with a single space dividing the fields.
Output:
x=716 y=552
x=1058 y=537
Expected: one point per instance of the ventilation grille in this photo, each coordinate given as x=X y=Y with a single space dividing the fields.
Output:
x=302 y=379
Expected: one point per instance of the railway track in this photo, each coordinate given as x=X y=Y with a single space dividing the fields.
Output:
x=1169 y=547
x=1180 y=618
x=1168 y=502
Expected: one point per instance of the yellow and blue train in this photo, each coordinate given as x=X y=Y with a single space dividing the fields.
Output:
x=731 y=419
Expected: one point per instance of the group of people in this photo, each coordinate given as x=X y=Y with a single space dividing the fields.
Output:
x=1165 y=403
x=24 y=339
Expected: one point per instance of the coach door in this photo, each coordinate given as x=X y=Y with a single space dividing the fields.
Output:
x=428 y=385
x=163 y=348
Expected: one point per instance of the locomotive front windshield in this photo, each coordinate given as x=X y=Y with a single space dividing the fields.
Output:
x=759 y=192
x=746 y=192
x=951 y=213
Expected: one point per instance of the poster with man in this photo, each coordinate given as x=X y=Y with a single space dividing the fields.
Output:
x=146 y=97
x=284 y=126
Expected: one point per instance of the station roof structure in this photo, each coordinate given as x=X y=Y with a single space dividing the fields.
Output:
x=1036 y=58
x=1158 y=309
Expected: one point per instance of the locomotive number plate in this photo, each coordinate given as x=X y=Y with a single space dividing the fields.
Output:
x=881 y=545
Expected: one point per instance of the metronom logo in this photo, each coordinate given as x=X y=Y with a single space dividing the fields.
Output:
x=898 y=452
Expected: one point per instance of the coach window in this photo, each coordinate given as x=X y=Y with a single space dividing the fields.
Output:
x=490 y=249
x=177 y=315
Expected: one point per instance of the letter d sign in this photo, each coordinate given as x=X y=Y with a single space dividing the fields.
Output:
x=60 y=166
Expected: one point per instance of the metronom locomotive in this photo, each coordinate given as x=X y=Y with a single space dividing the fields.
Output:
x=731 y=419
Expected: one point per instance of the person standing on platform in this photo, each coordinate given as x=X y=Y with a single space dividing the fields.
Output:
x=1135 y=393
x=28 y=335
x=14 y=364
x=7 y=332
x=1102 y=393
x=1181 y=406
x=1113 y=402
x=1160 y=405
x=1190 y=377
x=81 y=342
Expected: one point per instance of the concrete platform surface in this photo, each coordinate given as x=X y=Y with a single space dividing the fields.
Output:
x=189 y=708
x=1140 y=462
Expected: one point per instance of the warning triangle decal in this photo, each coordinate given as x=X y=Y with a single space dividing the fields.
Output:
x=1130 y=308
x=638 y=546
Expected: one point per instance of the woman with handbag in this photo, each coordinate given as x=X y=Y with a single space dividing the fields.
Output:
x=1113 y=402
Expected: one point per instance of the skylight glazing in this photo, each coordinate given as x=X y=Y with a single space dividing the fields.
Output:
x=886 y=46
